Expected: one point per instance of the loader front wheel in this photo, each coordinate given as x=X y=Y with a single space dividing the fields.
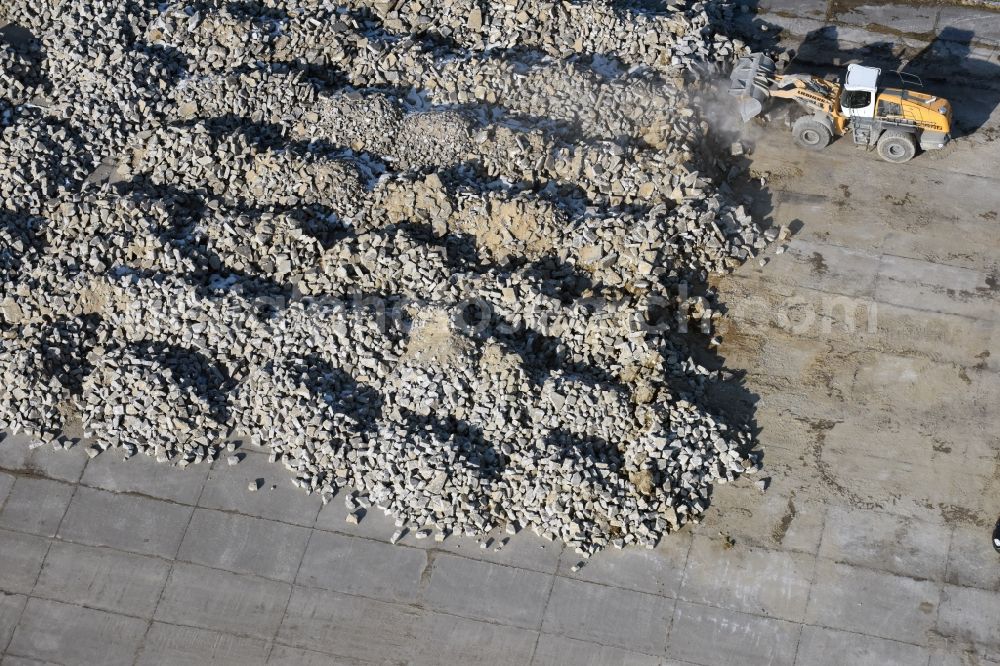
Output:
x=811 y=134
x=895 y=146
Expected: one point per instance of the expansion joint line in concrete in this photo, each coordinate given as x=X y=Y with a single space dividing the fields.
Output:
x=170 y=568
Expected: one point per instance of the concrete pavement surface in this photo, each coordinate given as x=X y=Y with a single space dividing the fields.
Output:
x=867 y=356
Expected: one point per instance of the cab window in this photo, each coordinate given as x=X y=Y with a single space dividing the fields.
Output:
x=856 y=99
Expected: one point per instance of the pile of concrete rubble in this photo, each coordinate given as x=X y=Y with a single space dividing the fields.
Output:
x=442 y=253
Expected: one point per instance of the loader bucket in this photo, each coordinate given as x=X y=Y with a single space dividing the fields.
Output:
x=751 y=82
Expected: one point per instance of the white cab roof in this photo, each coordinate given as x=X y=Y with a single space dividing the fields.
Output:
x=859 y=76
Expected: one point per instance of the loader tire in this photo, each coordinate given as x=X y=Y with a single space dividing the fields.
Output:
x=896 y=146
x=811 y=134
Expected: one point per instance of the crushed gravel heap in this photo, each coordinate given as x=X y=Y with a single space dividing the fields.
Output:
x=442 y=253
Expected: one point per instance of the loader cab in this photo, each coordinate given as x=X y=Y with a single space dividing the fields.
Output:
x=860 y=90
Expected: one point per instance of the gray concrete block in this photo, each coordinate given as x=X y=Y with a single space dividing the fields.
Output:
x=794 y=28
x=608 y=615
x=352 y=627
x=804 y=8
x=142 y=474
x=904 y=281
x=852 y=272
x=374 y=525
x=749 y=580
x=657 y=571
x=102 y=578
x=222 y=601
x=125 y=522
x=6 y=483
x=446 y=639
x=981 y=23
x=72 y=635
x=872 y=602
x=362 y=566
x=897 y=444
x=899 y=17
x=21 y=558
x=907 y=378
x=284 y=655
x=226 y=488
x=11 y=660
x=830 y=647
x=972 y=563
x=777 y=519
x=11 y=606
x=61 y=465
x=959 y=655
x=972 y=615
x=525 y=550
x=847 y=462
x=35 y=505
x=244 y=545
x=707 y=635
x=561 y=651
x=880 y=540
x=486 y=591
x=177 y=646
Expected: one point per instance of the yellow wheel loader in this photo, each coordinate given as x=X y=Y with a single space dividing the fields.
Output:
x=895 y=121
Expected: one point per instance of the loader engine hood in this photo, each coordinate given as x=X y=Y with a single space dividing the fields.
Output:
x=928 y=112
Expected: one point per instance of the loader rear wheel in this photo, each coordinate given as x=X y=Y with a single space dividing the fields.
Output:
x=811 y=134
x=895 y=146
